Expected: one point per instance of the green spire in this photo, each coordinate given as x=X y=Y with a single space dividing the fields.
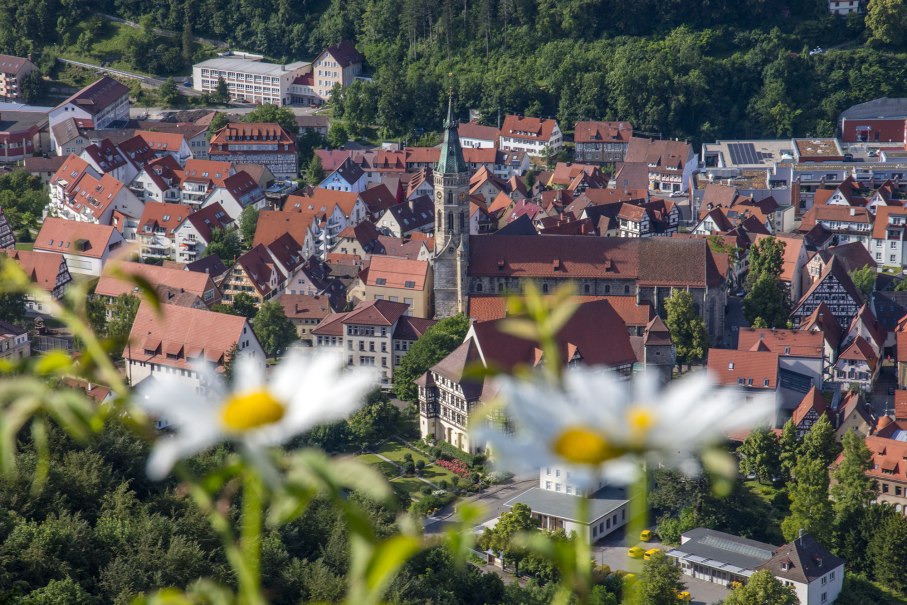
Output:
x=451 y=160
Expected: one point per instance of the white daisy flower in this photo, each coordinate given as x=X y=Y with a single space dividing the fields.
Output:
x=304 y=391
x=598 y=426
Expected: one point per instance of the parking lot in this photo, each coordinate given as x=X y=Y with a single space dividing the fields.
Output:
x=612 y=551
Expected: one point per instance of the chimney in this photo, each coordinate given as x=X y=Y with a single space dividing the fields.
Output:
x=853 y=212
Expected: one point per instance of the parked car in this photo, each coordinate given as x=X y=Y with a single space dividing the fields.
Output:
x=645 y=535
x=635 y=552
x=651 y=552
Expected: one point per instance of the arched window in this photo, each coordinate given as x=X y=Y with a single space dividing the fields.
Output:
x=462 y=222
x=479 y=287
x=450 y=222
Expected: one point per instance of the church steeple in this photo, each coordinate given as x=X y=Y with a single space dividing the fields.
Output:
x=451 y=159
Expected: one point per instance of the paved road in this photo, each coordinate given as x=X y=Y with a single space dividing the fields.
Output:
x=153 y=82
x=492 y=501
x=154 y=113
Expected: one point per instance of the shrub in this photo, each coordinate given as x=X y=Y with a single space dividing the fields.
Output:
x=425 y=490
x=443 y=483
x=496 y=477
x=430 y=503
x=407 y=457
x=455 y=481
x=409 y=468
x=450 y=452
x=420 y=464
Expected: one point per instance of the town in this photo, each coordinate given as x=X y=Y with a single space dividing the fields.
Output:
x=206 y=236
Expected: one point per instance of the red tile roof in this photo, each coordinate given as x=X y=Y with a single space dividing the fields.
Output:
x=305 y=306
x=175 y=279
x=251 y=135
x=658 y=154
x=162 y=141
x=189 y=334
x=97 y=96
x=860 y=350
x=158 y=215
x=534 y=129
x=345 y=53
x=474 y=130
x=367 y=312
x=900 y=404
x=73 y=237
x=793 y=343
x=323 y=201
x=41 y=268
x=394 y=272
x=602 y=132
x=813 y=400
x=209 y=218
x=756 y=369
x=12 y=65
x=489 y=307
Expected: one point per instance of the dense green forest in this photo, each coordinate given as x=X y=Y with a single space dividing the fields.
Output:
x=695 y=69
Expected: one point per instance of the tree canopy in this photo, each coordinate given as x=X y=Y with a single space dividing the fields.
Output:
x=272 y=113
x=760 y=455
x=274 y=331
x=686 y=327
x=434 y=345
x=762 y=588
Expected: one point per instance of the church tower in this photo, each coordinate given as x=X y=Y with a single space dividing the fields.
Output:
x=451 y=254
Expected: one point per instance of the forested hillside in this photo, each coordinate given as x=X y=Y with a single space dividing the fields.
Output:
x=696 y=69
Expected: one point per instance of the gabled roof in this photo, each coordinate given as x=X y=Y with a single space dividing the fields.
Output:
x=412 y=328
x=162 y=141
x=602 y=132
x=105 y=155
x=833 y=270
x=41 y=268
x=188 y=334
x=814 y=400
x=524 y=127
x=252 y=134
x=658 y=154
x=860 y=350
x=259 y=268
x=367 y=312
x=287 y=251
x=323 y=201
x=802 y=560
x=174 y=279
x=305 y=306
x=415 y=215
x=97 y=96
x=474 y=130
x=823 y=321
x=789 y=343
x=853 y=256
x=378 y=198
x=349 y=171
x=207 y=219
x=867 y=319
x=756 y=369
x=488 y=307
x=74 y=237
x=207 y=171
x=393 y=272
x=344 y=53
x=13 y=65
x=158 y=215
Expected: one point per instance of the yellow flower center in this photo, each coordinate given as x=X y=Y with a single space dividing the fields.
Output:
x=640 y=421
x=582 y=446
x=252 y=409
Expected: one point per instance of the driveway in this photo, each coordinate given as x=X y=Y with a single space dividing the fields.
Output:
x=881 y=402
x=491 y=500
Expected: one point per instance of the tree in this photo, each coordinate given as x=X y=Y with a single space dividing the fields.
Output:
x=810 y=508
x=23 y=199
x=12 y=307
x=819 y=442
x=766 y=256
x=274 y=331
x=853 y=489
x=375 y=420
x=886 y=21
x=169 y=94
x=888 y=552
x=500 y=538
x=687 y=328
x=58 y=592
x=122 y=315
x=435 y=344
x=229 y=358
x=789 y=445
x=865 y=280
x=760 y=455
x=217 y=122
x=762 y=588
x=245 y=305
x=188 y=45
x=901 y=285
x=225 y=245
x=222 y=96
x=314 y=173
x=31 y=87
x=272 y=113
x=248 y=221
x=337 y=135
x=767 y=303
x=660 y=580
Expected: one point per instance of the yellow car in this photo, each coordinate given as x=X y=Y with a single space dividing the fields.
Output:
x=645 y=535
x=636 y=552
x=651 y=552
x=629 y=578
x=684 y=597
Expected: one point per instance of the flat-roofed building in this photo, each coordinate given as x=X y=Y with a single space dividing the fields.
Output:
x=248 y=80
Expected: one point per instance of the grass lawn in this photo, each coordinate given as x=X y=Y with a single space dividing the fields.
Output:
x=26 y=246
x=435 y=473
x=386 y=468
x=409 y=485
x=768 y=505
x=395 y=451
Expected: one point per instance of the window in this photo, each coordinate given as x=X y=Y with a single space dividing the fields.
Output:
x=831 y=576
x=587 y=289
x=824 y=597
x=626 y=289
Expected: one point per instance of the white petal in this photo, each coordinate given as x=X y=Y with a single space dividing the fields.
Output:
x=168 y=397
x=167 y=450
x=248 y=374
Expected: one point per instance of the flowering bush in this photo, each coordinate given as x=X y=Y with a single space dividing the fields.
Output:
x=458 y=467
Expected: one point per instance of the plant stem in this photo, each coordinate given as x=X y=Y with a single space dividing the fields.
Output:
x=583 y=553
x=639 y=520
x=252 y=503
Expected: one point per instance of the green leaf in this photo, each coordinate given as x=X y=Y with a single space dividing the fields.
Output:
x=54 y=362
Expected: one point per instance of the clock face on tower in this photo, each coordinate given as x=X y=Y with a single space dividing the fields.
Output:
x=439 y=195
